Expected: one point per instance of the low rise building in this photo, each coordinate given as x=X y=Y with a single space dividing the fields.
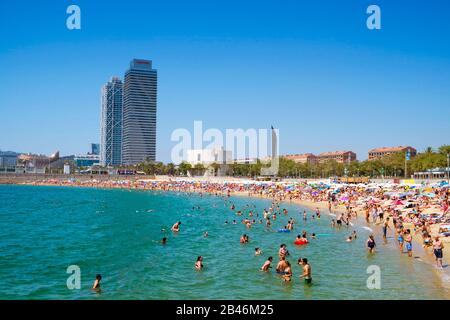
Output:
x=378 y=153
x=338 y=156
x=302 y=158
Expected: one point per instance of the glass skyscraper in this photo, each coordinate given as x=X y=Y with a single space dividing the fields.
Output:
x=111 y=123
x=139 y=113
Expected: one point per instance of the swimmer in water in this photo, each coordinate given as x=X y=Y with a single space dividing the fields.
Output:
x=267 y=265
x=205 y=234
x=176 y=227
x=198 y=263
x=96 y=285
x=313 y=236
x=349 y=239
x=244 y=239
x=258 y=251
x=164 y=240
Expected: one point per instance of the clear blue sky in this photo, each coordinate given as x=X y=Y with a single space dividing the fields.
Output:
x=310 y=68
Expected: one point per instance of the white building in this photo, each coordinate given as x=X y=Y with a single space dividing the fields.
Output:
x=207 y=157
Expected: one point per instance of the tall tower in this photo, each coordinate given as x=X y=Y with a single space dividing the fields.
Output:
x=111 y=123
x=139 y=112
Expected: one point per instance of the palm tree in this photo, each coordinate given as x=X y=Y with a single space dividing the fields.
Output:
x=184 y=167
x=429 y=150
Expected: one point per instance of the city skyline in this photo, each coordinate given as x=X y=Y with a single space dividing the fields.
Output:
x=335 y=85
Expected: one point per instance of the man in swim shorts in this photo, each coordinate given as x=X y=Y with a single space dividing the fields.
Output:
x=437 y=248
x=306 y=271
x=282 y=265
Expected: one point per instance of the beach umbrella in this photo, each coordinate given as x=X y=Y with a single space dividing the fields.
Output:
x=429 y=195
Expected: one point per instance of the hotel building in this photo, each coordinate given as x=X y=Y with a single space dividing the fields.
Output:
x=139 y=113
x=111 y=124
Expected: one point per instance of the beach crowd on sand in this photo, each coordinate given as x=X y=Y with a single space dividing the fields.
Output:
x=411 y=213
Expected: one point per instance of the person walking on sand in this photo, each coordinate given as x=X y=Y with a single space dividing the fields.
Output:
x=437 y=248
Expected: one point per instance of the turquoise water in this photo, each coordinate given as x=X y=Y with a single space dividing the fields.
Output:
x=115 y=232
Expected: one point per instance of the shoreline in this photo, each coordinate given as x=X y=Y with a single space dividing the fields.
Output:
x=418 y=251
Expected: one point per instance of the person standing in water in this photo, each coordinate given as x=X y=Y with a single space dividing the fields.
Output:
x=408 y=240
x=385 y=227
x=287 y=272
x=282 y=265
x=371 y=244
x=306 y=270
x=400 y=239
x=437 y=248
x=199 y=263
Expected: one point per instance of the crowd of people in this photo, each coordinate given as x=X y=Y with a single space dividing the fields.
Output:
x=408 y=213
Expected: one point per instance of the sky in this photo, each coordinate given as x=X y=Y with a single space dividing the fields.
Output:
x=312 y=69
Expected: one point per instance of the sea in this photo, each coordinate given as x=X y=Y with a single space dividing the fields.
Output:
x=55 y=240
